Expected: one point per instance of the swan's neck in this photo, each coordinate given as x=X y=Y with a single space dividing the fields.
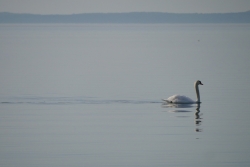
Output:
x=197 y=93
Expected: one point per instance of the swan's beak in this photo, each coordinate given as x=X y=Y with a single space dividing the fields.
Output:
x=201 y=83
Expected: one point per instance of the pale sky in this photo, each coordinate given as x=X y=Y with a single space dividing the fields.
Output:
x=111 y=6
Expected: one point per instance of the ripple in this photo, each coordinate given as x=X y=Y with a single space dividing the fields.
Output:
x=69 y=100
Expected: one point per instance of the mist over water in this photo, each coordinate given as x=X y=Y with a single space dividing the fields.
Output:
x=90 y=95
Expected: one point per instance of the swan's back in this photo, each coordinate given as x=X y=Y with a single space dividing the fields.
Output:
x=179 y=99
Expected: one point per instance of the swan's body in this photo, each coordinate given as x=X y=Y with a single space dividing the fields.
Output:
x=180 y=99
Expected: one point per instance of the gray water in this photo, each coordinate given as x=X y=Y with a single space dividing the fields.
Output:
x=90 y=95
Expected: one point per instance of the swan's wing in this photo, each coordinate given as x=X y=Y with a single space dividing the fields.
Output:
x=179 y=99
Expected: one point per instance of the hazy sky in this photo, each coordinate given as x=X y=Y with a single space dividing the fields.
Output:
x=93 y=6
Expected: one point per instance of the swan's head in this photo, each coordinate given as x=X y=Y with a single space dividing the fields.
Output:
x=198 y=82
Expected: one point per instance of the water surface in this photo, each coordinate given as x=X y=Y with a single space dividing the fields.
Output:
x=90 y=95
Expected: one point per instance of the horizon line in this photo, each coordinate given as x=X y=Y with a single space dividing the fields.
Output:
x=127 y=13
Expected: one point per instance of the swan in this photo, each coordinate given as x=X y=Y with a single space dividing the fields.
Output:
x=180 y=99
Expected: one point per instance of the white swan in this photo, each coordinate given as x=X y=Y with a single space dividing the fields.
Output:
x=180 y=99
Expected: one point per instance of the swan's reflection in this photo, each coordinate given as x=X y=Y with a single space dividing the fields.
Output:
x=198 y=118
x=173 y=105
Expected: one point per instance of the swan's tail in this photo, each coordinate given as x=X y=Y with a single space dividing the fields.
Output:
x=165 y=100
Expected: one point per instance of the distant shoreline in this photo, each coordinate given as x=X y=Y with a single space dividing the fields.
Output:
x=127 y=18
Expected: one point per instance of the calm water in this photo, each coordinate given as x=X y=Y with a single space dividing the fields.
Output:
x=90 y=95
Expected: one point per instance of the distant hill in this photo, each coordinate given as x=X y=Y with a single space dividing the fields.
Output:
x=134 y=17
